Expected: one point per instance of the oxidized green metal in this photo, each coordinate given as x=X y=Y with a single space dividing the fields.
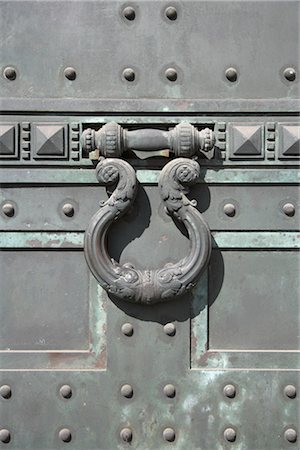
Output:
x=217 y=366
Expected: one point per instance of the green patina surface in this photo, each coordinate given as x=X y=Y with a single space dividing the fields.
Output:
x=207 y=175
x=223 y=239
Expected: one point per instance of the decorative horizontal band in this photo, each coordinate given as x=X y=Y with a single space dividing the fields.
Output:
x=221 y=239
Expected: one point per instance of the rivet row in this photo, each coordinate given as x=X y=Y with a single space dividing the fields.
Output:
x=68 y=209
x=9 y=210
x=126 y=390
x=169 y=390
x=168 y=434
x=288 y=209
x=169 y=329
x=130 y=14
x=231 y=74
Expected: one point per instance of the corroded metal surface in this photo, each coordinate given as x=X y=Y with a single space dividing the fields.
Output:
x=217 y=368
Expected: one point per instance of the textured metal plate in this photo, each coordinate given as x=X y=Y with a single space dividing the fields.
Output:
x=109 y=43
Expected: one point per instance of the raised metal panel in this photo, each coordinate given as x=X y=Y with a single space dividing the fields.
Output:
x=44 y=320
x=200 y=70
x=248 y=313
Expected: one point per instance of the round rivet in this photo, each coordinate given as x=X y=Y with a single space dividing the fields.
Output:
x=68 y=209
x=289 y=209
x=65 y=435
x=171 y=13
x=10 y=73
x=126 y=434
x=127 y=329
x=169 y=390
x=129 y=13
x=231 y=74
x=66 y=391
x=8 y=209
x=70 y=73
x=230 y=434
x=290 y=391
x=169 y=434
x=229 y=210
x=171 y=74
x=5 y=391
x=4 y=436
x=129 y=74
x=127 y=391
x=170 y=329
x=289 y=74
x=290 y=435
x=229 y=391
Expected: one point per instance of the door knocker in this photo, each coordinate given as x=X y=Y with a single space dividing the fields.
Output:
x=161 y=284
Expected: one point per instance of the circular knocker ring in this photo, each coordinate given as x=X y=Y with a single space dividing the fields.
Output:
x=154 y=285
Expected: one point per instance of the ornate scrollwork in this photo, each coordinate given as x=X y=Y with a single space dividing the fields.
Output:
x=151 y=285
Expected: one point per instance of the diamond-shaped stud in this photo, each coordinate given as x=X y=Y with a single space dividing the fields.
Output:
x=289 y=141
x=8 y=141
x=245 y=141
x=50 y=141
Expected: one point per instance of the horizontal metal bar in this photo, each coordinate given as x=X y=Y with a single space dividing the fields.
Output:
x=222 y=239
x=257 y=239
x=44 y=239
x=88 y=176
x=150 y=105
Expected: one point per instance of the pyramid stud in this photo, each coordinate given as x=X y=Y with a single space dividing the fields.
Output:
x=8 y=141
x=50 y=141
x=289 y=141
x=246 y=141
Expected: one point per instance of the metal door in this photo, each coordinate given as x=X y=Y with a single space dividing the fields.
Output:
x=149 y=225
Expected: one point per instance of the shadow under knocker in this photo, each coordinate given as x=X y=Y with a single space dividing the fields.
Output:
x=126 y=282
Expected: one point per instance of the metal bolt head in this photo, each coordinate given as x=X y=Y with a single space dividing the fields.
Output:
x=290 y=435
x=65 y=435
x=289 y=209
x=5 y=391
x=127 y=391
x=129 y=74
x=171 y=74
x=68 y=209
x=70 y=73
x=66 y=391
x=8 y=209
x=169 y=390
x=4 y=436
x=229 y=391
x=289 y=74
x=127 y=329
x=126 y=434
x=171 y=13
x=170 y=329
x=10 y=73
x=129 y=13
x=290 y=391
x=231 y=74
x=229 y=209
x=230 y=434
x=169 y=434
